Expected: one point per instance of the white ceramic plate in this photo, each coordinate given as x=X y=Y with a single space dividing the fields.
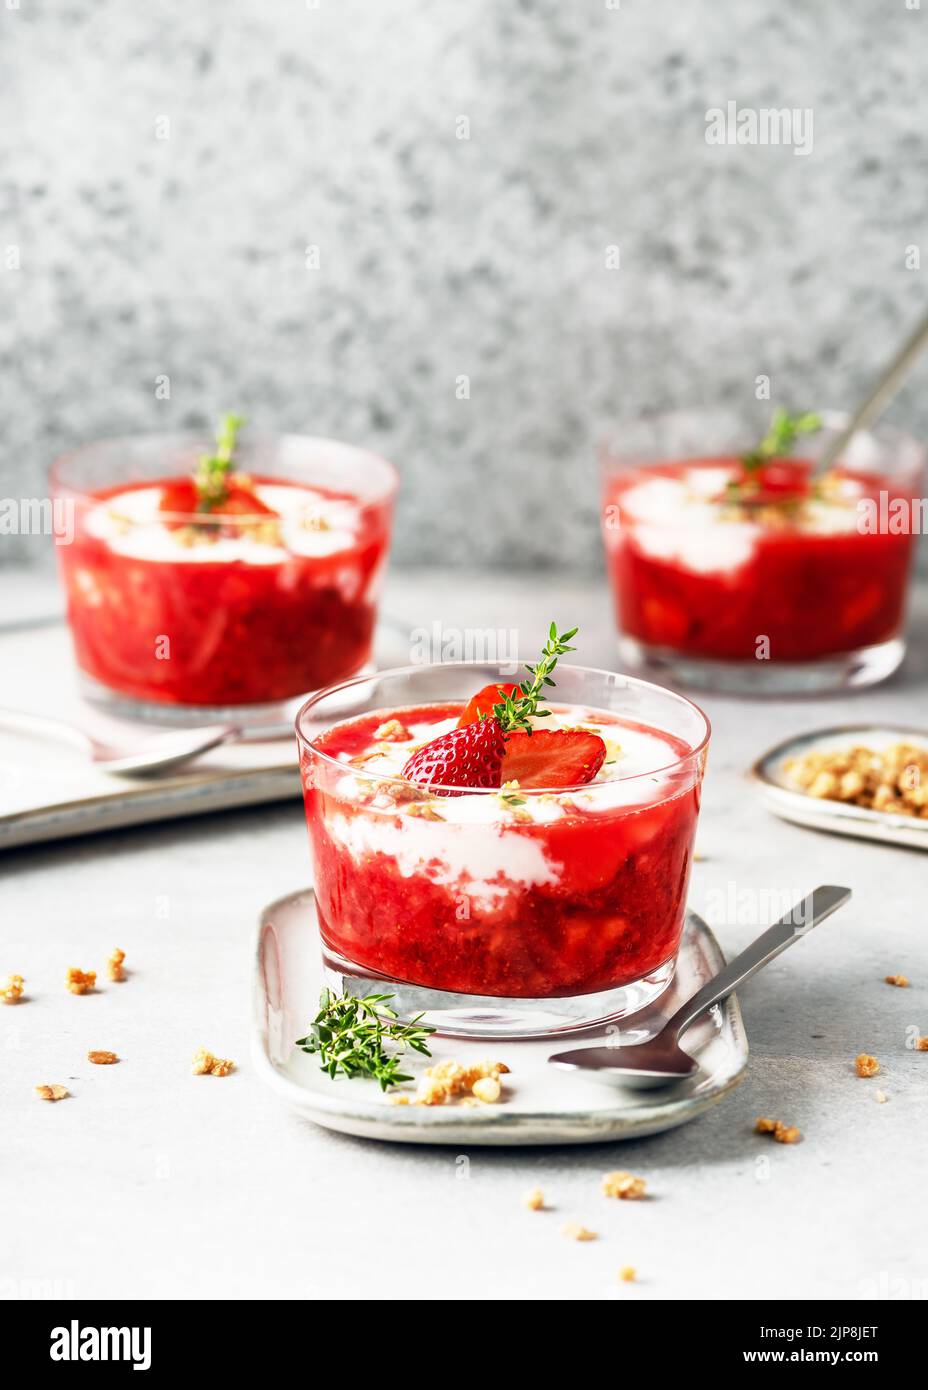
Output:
x=790 y=804
x=542 y=1105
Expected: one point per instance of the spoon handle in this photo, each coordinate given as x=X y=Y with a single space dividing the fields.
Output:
x=881 y=394
x=819 y=904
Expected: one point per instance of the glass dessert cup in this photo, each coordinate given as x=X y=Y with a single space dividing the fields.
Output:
x=500 y=912
x=800 y=594
x=189 y=617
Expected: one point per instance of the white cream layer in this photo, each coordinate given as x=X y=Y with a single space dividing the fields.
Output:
x=677 y=519
x=311 y=524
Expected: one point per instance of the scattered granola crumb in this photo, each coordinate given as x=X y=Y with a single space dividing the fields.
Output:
x=399 y=1099
x=102 y=1059
x=574 y=1231
x=627 y=1274
x=880 y=1097
x=205 y=1064
x=114 y=965
x=865 y=1065
x=534 y=1200
x=12 y=991
x=392 y=731
x=783 y=1134
x=448 y=1080
x=487 y=1089
x=51 y=1092
x=80 y=981
x=624 y=1185
x=900 y=981
x=921 y=1044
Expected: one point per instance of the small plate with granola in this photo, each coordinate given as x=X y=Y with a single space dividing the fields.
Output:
x=865 y=780
x=458 y=1091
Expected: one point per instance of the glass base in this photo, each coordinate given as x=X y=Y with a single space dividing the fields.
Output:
x=842 y=671
x=488 y=1016
x=272 y=720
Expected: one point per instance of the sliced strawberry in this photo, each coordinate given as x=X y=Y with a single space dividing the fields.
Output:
x=553 y=758
x=482 y=703
x=178 y=497
x=468 y=757
x=241 y=501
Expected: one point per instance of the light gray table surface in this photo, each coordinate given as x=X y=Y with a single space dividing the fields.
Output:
x=150 y=1182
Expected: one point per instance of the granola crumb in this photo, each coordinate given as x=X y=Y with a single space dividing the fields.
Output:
x=487 y=1089
x=80 y=981
x=880 y=1097
x=782 y=1134
x=900 y=981
x=399 y=1099
x=392 y=732
x=921 y=1044
x=12 y=991
x=891 y=779
x=534 y=1200
x=574 y=1231
x=624 y=1185
x=114 y=965
x=51 y=1092
x=627 y=1274
x=102 y=1059
x=446 y=1081
x=205 y=1064
x=865 y=1065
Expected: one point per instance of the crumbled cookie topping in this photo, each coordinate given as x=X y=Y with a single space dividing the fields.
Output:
x=574 y=1231
x=80 y=981
x=392 y=732
x=51 y=1092
x=205 y=1064
x=624 y=1185
x=102 y=1059
x=12 y=991
x=446 y=1081
x=900 y=981
x=627 y=1274
x=783 y=1134
x=534 y=1200
x=895 y=779
x=865 y=1065
x=114 y=967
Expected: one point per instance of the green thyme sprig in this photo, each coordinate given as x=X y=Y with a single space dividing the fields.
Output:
x=212 y=472
x=517 y=709
x=782 y=432
x=363 y=1037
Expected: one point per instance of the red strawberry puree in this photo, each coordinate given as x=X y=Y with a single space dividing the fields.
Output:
x=230 y=612
x=694 y=574
x=535 y=895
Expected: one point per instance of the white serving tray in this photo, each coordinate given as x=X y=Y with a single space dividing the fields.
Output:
x=838 y=817
x=543 y=1105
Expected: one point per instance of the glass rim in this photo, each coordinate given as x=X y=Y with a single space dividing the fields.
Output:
x=201 y=442
x=303 y=738
x=610 y=452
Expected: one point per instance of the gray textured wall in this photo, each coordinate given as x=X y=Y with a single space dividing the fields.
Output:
x=335 y=124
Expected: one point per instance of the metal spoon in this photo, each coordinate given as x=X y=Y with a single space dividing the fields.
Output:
x=660 y=1060
x=159 y=753
x=885 y=387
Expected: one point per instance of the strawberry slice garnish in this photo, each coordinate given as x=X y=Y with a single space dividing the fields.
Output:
x=553 y=758
x=178 y=497
x=468 y=757
x=241 y=501
x=481 y=704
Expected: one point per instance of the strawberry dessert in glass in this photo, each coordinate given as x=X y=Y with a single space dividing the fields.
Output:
x=507 y=864
x=753 y=572
x=205 y=580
